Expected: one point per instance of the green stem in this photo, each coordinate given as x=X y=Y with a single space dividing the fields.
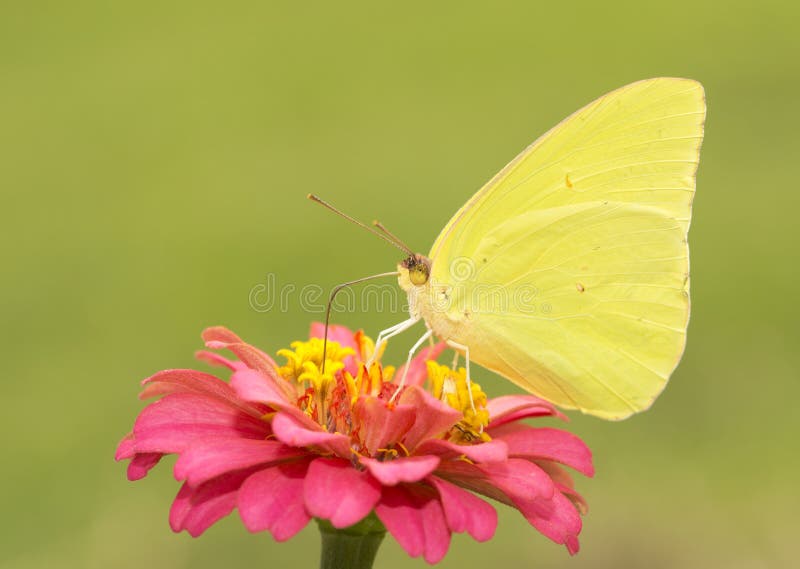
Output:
x=351 y=548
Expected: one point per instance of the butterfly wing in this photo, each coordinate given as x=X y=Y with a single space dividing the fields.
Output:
x=568 y=273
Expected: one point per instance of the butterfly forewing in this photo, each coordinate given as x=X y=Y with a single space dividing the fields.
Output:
x=568 y=272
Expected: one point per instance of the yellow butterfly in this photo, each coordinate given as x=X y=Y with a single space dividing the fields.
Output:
x=568 y=272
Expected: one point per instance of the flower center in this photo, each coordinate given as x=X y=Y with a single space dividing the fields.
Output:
x=330 y=397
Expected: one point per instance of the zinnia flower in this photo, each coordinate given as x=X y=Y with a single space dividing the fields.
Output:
x=285 y=444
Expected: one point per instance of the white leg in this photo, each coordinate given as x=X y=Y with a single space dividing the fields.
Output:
x=465 y=349
x=388 y=333
x=455 y=361
x=389 y=330
x=411 y=352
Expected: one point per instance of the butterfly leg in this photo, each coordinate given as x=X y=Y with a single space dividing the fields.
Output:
x=465 y=349
x=384 y=335
x=411 y=353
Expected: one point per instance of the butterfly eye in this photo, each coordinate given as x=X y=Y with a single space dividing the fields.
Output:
x=419 y=274
x=419 y=269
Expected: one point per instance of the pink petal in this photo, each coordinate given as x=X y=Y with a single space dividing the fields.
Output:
x=382 y=424
x=528 y=486
x=172 y=423
x=546 y=443
x=556 y=473
x=290 y=431
x=219 y=337
x=220 y=334
x=466 y=512
x=562 y=525
x=410 y=469
x=343 y=336
x=196 y=509
x=336 y=491
x=218 y=360
x=492 y=451
x=125 y=448
x=188 y=381
x=515 y=407
x=564 y=484
x=471 y=477
x=299 y=417
x=418 y=369
x=433 y=417
x=181 y=507
x=573 y=546
x=141 y=464
x=272 y=500
x=250 y=385
x=208 y=458
x=517 y=482
x=414 y=517
x=577 y=500
x=528 y=489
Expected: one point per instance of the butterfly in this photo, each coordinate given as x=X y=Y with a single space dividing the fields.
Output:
x=568 y=272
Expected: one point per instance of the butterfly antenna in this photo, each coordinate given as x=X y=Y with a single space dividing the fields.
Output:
x=397 y=244
x=334 y=292
x=391 y=235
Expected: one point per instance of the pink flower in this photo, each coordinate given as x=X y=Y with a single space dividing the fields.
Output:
x=285 y=444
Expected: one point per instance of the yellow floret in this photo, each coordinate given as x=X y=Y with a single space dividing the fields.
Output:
x=304 y=363
x=450 y=386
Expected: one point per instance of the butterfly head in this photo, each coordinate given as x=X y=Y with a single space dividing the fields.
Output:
x=418 y=268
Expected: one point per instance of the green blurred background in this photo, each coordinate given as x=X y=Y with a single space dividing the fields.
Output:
x=154 y=162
